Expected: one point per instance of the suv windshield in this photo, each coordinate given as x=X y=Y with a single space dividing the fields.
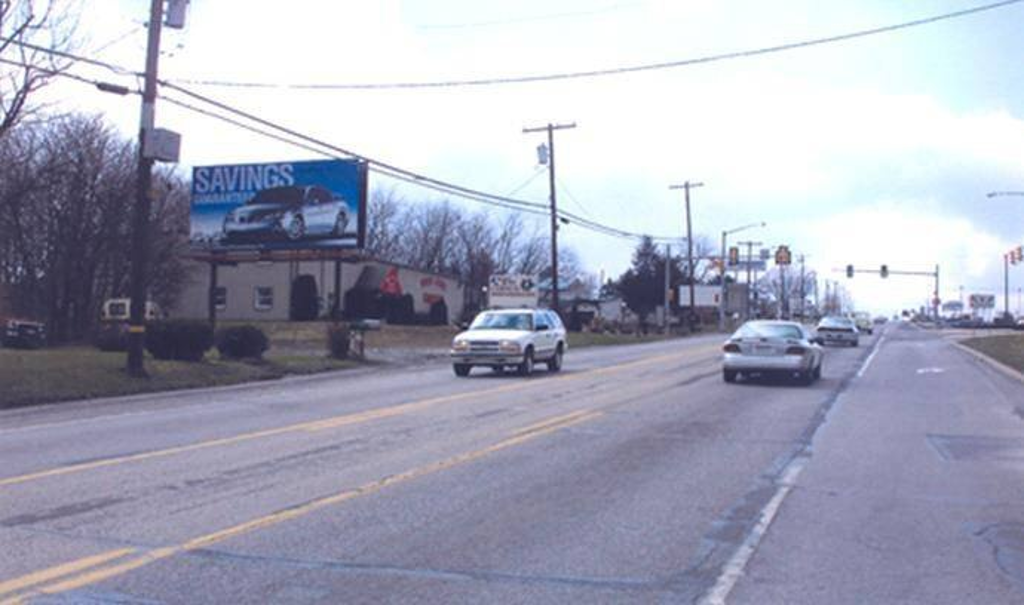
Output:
x=503 y=321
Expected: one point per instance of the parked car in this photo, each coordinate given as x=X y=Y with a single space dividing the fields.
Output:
x=515 y=338
x=839 y=330
x=772 y=347
x=24 y=334
x=291 y=212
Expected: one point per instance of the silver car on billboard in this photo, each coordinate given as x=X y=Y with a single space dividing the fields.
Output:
x=291 y=212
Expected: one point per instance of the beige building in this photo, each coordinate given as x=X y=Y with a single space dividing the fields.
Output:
x=255 y=291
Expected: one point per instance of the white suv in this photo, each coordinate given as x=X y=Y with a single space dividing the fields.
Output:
x=510 y=338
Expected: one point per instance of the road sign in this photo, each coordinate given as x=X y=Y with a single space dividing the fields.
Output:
x=783 y=256
x=512 y=291
x=752 y=265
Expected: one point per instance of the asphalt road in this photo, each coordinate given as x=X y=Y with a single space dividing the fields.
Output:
x=636 y=475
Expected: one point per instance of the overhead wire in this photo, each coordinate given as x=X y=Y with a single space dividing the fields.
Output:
x=414 y=177
x=627 y=69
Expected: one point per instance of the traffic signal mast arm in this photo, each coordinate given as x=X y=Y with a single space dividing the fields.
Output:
x=890 y=272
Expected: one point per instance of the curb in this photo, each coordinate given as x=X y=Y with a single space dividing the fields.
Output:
x=997 y=365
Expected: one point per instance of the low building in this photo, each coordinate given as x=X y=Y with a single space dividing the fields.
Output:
x=265 y=290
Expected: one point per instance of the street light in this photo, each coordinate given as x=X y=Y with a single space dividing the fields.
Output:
x=1003 y=193
x=721 y=298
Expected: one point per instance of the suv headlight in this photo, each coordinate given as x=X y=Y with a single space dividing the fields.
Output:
x=460 y=345
x=508 y=346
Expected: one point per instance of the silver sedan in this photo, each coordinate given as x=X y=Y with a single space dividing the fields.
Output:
x=772 y=347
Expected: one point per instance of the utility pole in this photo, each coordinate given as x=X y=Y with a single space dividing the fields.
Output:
x=935 y=299
x=803 y=294
x=691 y=315
x=1006 y=285
x=668 y=286
x=143 y=193
x=750 y=259
x=551 y=128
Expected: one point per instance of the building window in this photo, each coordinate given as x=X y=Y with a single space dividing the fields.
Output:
x=220 y=298
x=263 y=299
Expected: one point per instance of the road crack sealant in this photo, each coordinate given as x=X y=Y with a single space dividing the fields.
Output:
x=735 y=537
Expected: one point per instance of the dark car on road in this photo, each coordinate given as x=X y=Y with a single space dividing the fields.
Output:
x=292 y=213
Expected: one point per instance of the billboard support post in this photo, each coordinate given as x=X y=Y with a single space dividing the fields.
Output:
x=336 y=303
x=211 y=299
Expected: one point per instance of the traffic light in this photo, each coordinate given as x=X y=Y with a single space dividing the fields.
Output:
x=884 y=271
x=849 y=270
x=734 y=256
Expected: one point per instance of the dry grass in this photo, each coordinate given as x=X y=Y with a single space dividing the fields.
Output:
x=1005 y=348
x=63 y=373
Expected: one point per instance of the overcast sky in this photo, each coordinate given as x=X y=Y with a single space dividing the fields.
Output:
x=875 y=150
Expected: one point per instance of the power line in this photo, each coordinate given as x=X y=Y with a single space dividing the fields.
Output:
x=319 y=146
x=121 y=71
x=63 y=74
x=493 y=81
x=413 y=177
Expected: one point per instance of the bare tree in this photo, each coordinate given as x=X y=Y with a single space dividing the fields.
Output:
x=33 y=34
x=65 y=222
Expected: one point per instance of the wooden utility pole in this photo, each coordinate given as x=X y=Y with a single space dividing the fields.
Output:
x=143 y=194
x=691 y=314
x=551 y=128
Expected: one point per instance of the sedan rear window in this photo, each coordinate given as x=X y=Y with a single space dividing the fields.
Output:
x=769 y=331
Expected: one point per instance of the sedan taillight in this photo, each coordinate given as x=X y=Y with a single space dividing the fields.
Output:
x=795 y=350
x=731 y=348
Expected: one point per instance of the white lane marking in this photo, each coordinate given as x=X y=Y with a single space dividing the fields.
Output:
x=930 y=370
x=737 y=564
x=871 y=357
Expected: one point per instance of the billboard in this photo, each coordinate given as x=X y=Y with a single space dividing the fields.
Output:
x=512 y=291
x=311 y=205
x=982 y=301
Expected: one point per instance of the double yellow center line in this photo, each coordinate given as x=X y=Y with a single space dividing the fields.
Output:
x=106 y=565
x=329 y=423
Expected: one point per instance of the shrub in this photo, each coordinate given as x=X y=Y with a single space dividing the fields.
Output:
x=112 y=337
x=338 y=340
x=242 y=342
x=181 y=339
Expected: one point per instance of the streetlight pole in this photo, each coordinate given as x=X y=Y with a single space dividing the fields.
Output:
x=668 y=285
x=1004 y=193
x=551 y=128
x=1006 y=284
x=691 y=315
x=750 y=258
x=721 y=299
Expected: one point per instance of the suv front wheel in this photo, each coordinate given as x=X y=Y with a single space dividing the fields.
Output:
x=555 y=363
x=526 y=367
